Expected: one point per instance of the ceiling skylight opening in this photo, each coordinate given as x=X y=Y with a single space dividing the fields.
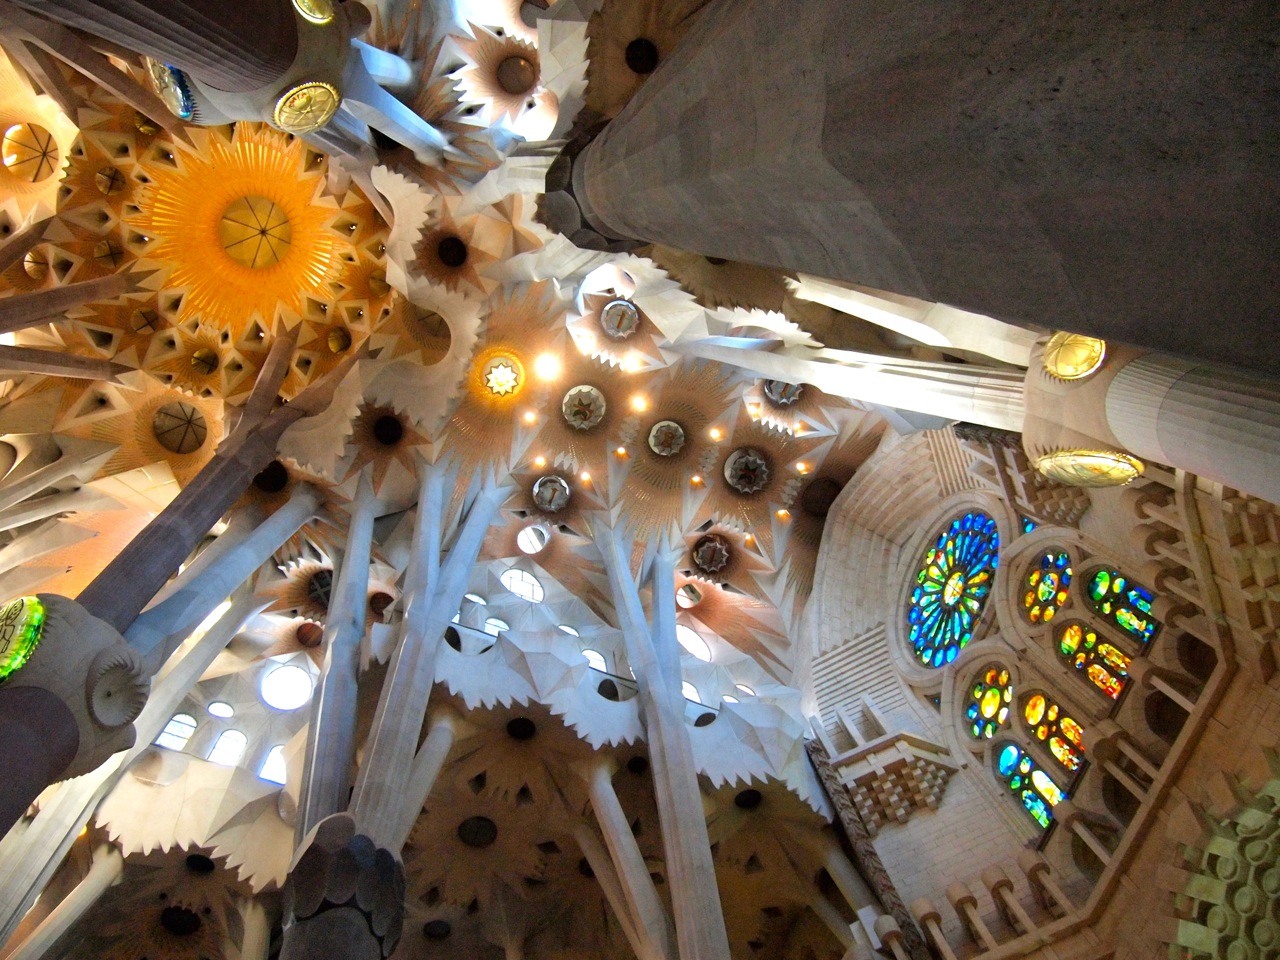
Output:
x=596 y=660
x=523 y=584
x=475 y=598
x=565 y=628
x=286 y=687
x=494 y=626
x=693 y=643
x=690 y=692
x=729 y=699
x=222 y=710
x=533 y=538
x=744 y=689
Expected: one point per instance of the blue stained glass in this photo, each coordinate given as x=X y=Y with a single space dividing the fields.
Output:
x=952 y=586
x=1035 y=788
x=1028 y=525
x=1124 y=603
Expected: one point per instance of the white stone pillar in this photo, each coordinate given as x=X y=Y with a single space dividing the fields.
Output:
x=933 y=324
x=423 y=774
x=652 y=924
x=1218 y=423
x=105 y=872
x=332 y=730
x=256 y=943
x=405 y=694
x=33 y=309
x=991 y=396
x=699 y=920
x=157 y=631
x=597 y=858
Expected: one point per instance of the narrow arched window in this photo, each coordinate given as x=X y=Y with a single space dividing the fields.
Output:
x=1049 y=724
x=273 y=767
x=989 y=699
x=1103 y=665
x=1033 y=787
x=1123 y=603
x=177 y=731
x=229 y=748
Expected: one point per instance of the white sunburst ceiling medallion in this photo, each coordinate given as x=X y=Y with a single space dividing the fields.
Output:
x=747 y=470
x=583 y=407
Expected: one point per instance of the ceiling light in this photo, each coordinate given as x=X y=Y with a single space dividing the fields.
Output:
x=539 y=461
x=530 y=417
x=716 y=434
x=547 y=366
x=639 y=403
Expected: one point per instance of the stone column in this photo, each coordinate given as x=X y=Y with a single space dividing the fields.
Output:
x=344 y=896
x=424 y=772
x=229 y=44
x=104 y=873
x=434 y=596
x=1217 y=422
x=33 y=309
x=28 y=858
x=256 y=943
x=651 y=922
x=695 y=896
x=139 y=571
x=332 y=731
x=1073 y=167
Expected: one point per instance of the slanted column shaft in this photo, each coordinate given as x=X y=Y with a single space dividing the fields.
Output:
x=32 y=309
x=961 y=192
x=434 y=596
x=331 y=733
x=699 y=920
x=256 y=944
x=652 y=924
x=230 y=44
x=156 y=632
x=107 y=868
x=424 y=773
x=597 y=858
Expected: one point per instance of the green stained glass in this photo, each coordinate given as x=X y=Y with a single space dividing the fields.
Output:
x=21 y=626
x=953 y=582
x=1124 y=603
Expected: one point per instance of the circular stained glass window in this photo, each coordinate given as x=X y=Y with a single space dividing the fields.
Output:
x=782 y=393
x=989 y=701
x=952 y=586
x=1048 y=587
x=551 y=493
x=286 y=688
x=619 y=319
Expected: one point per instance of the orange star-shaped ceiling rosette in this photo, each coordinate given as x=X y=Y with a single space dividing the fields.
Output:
x=241 y=226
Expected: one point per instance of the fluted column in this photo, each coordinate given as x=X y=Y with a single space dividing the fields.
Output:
x=332 y=730
x=1214 y=422
x=104 y=873
x=1082 y=168
x=230 y=44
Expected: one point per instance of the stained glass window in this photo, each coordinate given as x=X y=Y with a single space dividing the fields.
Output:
x=1028 y=525
x=1061 y=735
x=1035 y=788
x=1101 y=663
x=1124 y=603
x=989 y=700
x=952 y=587
x=1048 y=587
